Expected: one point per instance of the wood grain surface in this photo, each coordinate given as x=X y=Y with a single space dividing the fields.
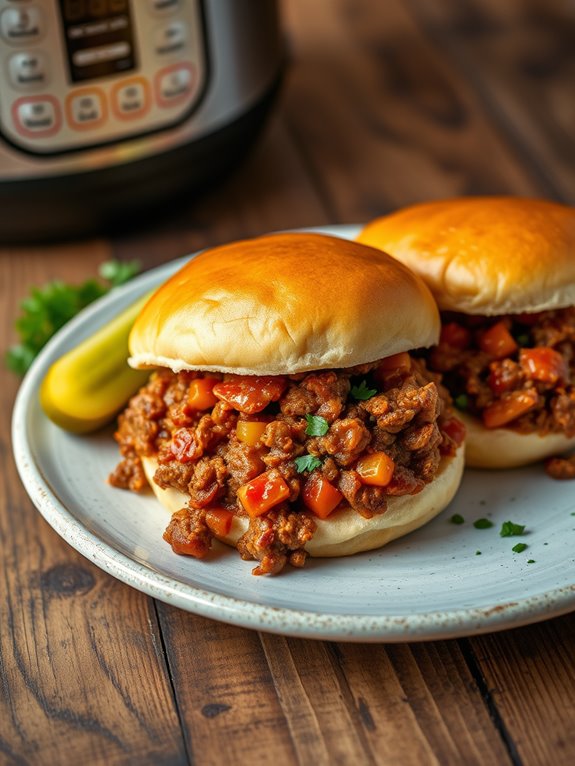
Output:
x=383 y=104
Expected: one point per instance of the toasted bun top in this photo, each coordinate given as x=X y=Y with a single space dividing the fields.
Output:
x=284 y=303
x=485 y=255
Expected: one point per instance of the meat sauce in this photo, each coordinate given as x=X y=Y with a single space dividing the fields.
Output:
x=514 y=371
x=283 y=451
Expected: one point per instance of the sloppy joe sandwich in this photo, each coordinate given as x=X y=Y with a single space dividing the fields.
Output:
x=502 y=270
x=285 y=414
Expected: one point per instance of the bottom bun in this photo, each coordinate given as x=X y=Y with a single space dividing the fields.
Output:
x=505 y=448
x=346 y=532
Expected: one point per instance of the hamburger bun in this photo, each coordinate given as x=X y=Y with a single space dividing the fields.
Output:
x=489 y=256
x=250 y=308
x=485 y=255
x=346 y=532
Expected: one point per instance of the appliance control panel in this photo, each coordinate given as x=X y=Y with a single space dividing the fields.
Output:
x=81 y=73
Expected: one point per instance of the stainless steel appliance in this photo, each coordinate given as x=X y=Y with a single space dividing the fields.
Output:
x=109 y=108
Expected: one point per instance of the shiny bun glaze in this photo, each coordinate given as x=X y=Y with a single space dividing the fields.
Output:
x=485 y=255
x=282 y=304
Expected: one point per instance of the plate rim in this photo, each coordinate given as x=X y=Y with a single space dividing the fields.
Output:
x=432 y=625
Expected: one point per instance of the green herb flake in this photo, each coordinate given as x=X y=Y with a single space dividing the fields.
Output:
x=531 y=561
x=461 y=401
x=482 y=524
x=478 y=553
x=316 y=425
x=519 y=548
x=523 y=339
x=362 y=392
x=509 y=529
x=457 y=518
x=573 y=514
x=307 y=463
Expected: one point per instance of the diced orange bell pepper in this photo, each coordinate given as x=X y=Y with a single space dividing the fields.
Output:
x=508 y=408
x=376 y=469
x=396 y=362
x=262 y=493
x=320 y=496
x=543 y=364
x=200 y=393
x=497 y=341
x=219 y=520
x=455 y=335
x=250 y=431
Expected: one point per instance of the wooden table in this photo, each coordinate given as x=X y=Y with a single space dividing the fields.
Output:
x=384 y=104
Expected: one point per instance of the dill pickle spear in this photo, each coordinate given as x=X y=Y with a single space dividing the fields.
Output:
x=87 y=386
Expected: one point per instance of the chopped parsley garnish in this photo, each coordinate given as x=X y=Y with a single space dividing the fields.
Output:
x=457 y=518
x=478 y=553
x=362 y=392
x=509 y=529
x=307 y=463
x=316 y=425
x=482 y=524
x=531 y=561
x=519 y=548
x=461 y=401
x=48 y=308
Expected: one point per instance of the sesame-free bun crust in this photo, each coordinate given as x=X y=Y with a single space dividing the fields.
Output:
x=345 y=532
x=506 y=448
x=485 y=255
x=284 y=303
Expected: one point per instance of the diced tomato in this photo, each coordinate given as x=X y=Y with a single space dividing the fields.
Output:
x=500 y=379
x=250 y=431
x=543 y=364
x=320 y=496
x=263 y=492
x=219 y=520
x=508 y=408
x=250 y=393
x=455 y=335
x=455 y=429
x=396 y=364
x=376 y=469
x=184 y=446
x=200 y=393
x=497 y=341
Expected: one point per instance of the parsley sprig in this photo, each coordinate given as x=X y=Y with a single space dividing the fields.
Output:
x=307 y=463
x=361 y=392
x=316 y=425
x=48 y=308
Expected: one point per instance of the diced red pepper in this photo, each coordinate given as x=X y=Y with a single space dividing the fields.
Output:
x=250 y=393
x=376 y=469
x=508 y=408
x=455 y=429
x=320 y=496
x=262 y=493
x=543 y=364
x=219 y=520
x=184 y=446
x=455 y=335
x=497 y=341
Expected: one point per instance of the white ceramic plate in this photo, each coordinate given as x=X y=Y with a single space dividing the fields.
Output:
x=431 y=584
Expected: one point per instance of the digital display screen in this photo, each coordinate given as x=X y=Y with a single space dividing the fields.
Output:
x=99 y=37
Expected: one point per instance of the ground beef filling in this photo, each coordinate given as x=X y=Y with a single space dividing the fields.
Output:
x=284 y=451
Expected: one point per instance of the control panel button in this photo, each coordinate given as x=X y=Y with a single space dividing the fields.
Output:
x=174 y=84
x=131 y=98
x=37 y=116
x=21 y=25
x=28 y=69
x=164 y=6
x=171 y=38
x=86 y=109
